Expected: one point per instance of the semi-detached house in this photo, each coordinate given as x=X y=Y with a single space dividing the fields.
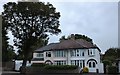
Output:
x=70 y=52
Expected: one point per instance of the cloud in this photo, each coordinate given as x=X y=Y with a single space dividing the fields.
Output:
x=97 y=20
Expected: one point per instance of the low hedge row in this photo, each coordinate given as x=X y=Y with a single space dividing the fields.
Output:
x=55 y=67
x=38 y=64
x=60 y=67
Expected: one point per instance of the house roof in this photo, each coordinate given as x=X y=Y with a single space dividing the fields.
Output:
x=68 y=44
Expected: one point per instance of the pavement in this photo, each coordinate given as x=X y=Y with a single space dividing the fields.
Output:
x=10 y=73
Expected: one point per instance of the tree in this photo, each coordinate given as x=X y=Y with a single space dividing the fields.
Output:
x=110 y=57
x=77 y=36
x=30 y=22
x=112 y=54
x=8 y=53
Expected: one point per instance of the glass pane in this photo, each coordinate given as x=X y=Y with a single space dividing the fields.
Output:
x=93 y=64
x=89 y=64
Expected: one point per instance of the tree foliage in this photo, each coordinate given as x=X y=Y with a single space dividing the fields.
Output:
x=76 y=36
x=30 y=22
x=8 y=53
x=111 y=55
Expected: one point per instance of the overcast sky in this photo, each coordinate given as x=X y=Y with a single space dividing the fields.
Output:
x=97 y=20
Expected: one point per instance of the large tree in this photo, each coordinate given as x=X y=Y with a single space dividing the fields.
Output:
x=30 y=22
x=111 y=55
x=76 y=36
x=7 y=50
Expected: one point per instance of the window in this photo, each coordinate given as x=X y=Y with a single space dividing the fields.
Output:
x=91 y=52
x=60 y=53
x=89 y=64
x=82 y=53
x=92 y=64
x=79 y=63
x=62 y=62
x=40 y=55
x=77 y=53
x=48 y=54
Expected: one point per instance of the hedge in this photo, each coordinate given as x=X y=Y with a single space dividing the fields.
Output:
x=38 y=64
x=112 y=69
x=54 y=67
x=60 y=67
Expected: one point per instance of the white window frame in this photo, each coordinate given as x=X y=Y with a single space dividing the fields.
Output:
x=60 y=53
x=91 y=52
x=60 y=62
x=39 y=55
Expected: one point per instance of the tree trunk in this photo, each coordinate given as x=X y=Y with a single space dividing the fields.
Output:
x=24 y=62
x=23 y=68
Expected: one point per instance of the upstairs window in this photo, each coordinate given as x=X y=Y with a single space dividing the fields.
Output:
x=60 y=53
x=77 y=53
x=48 y=54
x=91 y=52
x=40 y=55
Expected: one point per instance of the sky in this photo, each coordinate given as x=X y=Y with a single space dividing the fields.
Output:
x=97 y=20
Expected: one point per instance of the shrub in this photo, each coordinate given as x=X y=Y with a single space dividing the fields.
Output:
x=85 y=70
x=60 y=67
x=112 y=69
x=38 y=64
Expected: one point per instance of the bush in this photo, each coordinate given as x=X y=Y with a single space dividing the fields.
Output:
x=60 y=67
x=112 y=69
x=38 y=64
x=85 y=70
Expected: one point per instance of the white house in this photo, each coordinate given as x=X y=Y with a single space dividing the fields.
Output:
x=70 y=52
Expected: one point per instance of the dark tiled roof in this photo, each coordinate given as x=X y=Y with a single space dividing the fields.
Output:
x=68 y=44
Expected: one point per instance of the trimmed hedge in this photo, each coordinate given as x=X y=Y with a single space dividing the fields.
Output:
x=60 y=67
x=54 y=67
x=38 y=64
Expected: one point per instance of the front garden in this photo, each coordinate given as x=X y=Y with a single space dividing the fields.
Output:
x=45 y=68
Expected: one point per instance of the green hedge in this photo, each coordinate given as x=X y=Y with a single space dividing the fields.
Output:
x=38 y=64
x=54 y=67
x=60 y=67
x=112 y=69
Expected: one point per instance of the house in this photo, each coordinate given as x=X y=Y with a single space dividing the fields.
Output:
x=70 y=52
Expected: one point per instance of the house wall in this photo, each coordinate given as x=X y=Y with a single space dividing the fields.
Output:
x=68 y=58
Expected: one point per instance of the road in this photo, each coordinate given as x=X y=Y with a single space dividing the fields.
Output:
x=18 y=73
